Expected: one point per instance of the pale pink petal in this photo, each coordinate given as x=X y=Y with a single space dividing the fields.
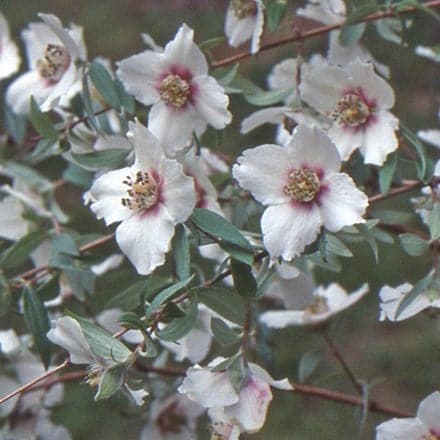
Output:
x=341 y=203
x=346 y=139
x=311 y=147
x=182 y=50
x=211 y=102
x=208 y=389
x=145 y=238
x=264 y=172
x=271 y=115
x=68 y=334
x=402 y=429
x=429 y=412
x=288 y=228
x=107 y=193
x=430 y=136
x=250 y=411
x=177 y=191
x=380 y=138
x=260 y=373
x=140 y=74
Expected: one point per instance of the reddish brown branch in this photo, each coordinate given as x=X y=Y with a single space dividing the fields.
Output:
x=300 y=36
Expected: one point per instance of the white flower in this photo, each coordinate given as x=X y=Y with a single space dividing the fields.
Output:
x=9 y=57
x=391 y=298
x=342 y=55
x=149 y=198
x=68 y=334
x=431 y=136
x=286 y=75
x=302 y=188
x=108 y=319
x=52 y=53
x=325 y=303
x=426 y=425
x=325 y=11
x=246 y=409
x=172 y=418
x=184 y=98
x=357 y=100
x=245 y=21
x=9 y=342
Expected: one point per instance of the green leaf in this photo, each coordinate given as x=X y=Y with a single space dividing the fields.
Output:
x=42 y=123
x=218 y=227
x=179 y=327
x=129 y=298
x=369 y=238
x=238 y=373
x=103 y=344
x=238 y=253
x=337 y=247
x=275 y=13
x=110 y=382
x=49 y=289
x=322 y=245
x=37 y=322
x=104 y=83
x=392 y=216
x=417 y=289
x=308 y=364
x=16 y=125
x=222 y=333
x=225 y=76
x=390 y=29
x=413 y=140
x=167 y=294
x=78 y=176
x=227 y=304
x=64 y=244
x=240 y=84
x=181 y=256
x=413 y=244
x=350 y=35
x=244 y=281
x=18 y=253
x=211 y=43
x=386 y=173
x=127 y=101
x=271 y=97
x=434 y=222
x=88 y=105
x=111 y=158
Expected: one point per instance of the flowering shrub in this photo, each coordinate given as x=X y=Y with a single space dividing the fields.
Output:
x=171 y=306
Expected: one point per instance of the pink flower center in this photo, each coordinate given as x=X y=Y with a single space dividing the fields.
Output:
x=55 y=61
x=352 y=110
x=318 y=306
x=303 y=185
x=143 y=192
x=244 y=8
x=175 y=90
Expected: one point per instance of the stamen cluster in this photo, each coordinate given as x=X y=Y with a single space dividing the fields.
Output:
x=175 y=90
x=143 y=192
x=303 y=185
x=244 y=8
x=55 y=61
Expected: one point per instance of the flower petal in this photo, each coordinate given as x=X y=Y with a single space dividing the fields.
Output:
x=287 y=229
x=271 y=115
x=341 y=204
x=263 y=171
x=401 y=429
x=429 y=411
x=211 y=102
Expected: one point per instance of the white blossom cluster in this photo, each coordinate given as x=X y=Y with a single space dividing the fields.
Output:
x=301 y=195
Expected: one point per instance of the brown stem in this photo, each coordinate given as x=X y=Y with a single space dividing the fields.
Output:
x=86 y=118
x=26 y=387
x=336 y=396
x=347 y=370
x=406 y=187
x=299 y=36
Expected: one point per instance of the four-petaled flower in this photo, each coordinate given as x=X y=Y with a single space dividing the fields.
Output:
x=149 y=198
x=52 y=53
x=303 y=189
x=357 y=101
x=185 y=98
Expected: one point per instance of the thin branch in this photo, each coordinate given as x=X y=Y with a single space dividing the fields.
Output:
x=26 y=387
x=336 y=396
x=86 y=118
x=300 y=36
x=406 y=187
x=347 y=370
x=96 y=243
